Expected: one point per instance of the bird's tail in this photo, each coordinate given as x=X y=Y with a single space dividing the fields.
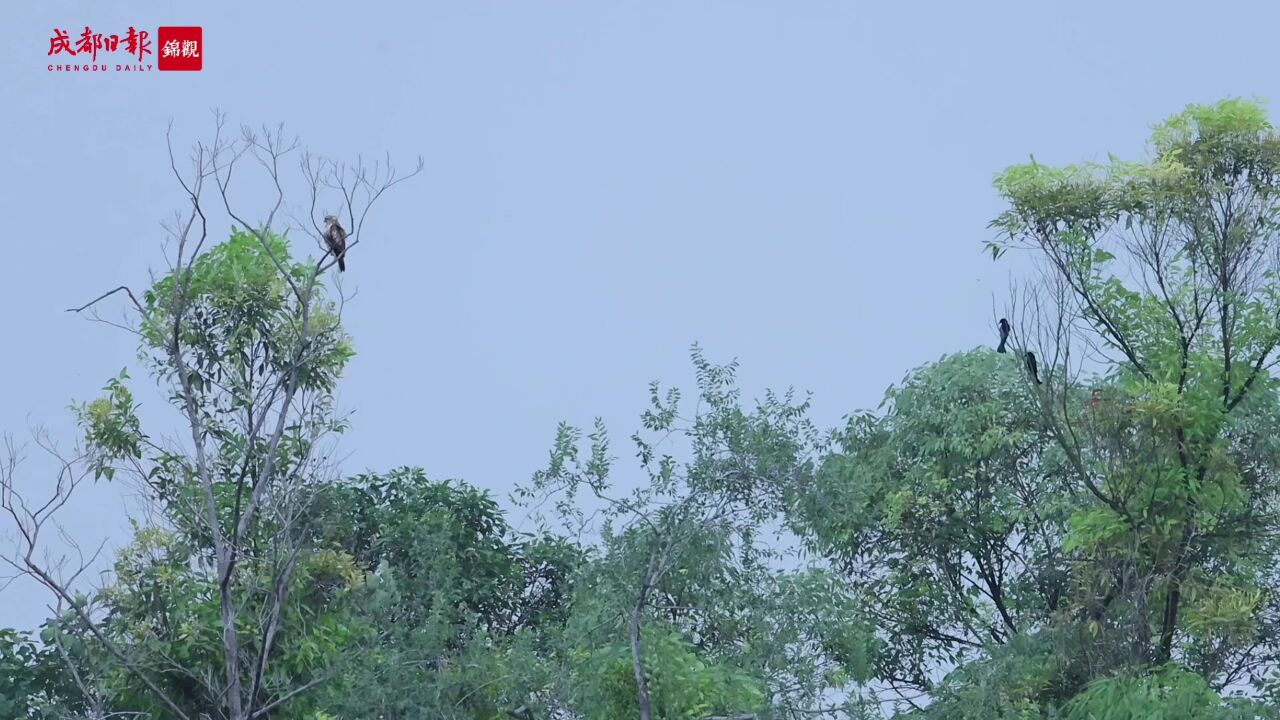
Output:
x=342 y=265
x=1000 y=349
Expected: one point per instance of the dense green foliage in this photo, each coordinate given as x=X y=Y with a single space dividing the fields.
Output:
x=1101 y=546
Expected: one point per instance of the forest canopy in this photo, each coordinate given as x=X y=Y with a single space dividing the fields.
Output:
x=1082 y=525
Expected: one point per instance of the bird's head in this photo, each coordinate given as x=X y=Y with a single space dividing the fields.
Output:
x=330 y=220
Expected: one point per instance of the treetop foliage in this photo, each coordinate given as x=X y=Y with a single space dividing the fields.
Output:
x=1100 y=544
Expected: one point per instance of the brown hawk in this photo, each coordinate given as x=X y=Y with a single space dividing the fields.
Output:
x=336 y=238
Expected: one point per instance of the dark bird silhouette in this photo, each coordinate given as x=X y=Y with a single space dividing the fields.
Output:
x=1004 y=334
x=1032 y=367
x=336 y=238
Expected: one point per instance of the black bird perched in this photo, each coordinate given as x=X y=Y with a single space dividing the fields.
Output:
x=1032 y=367
x=1004 y=334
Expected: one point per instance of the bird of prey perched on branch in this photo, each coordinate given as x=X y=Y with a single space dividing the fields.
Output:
x=1033 y=368
x=1004 y=334
x=336 y=238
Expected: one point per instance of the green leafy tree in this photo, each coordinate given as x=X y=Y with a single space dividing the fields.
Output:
x=947 y=513
x=1169 y=267
x=215 y=611
x=1103 y=539
x=687 y=589
x=34 y=679
x=457 y=592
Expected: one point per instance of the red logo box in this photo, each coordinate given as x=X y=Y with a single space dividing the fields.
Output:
x=180 y=48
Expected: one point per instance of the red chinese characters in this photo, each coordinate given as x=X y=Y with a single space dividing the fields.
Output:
x=60 y=42
x=136 y=42
x=181 y=48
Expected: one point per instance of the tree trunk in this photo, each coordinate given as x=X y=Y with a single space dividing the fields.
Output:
x=637 y=659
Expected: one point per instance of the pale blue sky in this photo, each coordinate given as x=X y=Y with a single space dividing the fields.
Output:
x=802 y=185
